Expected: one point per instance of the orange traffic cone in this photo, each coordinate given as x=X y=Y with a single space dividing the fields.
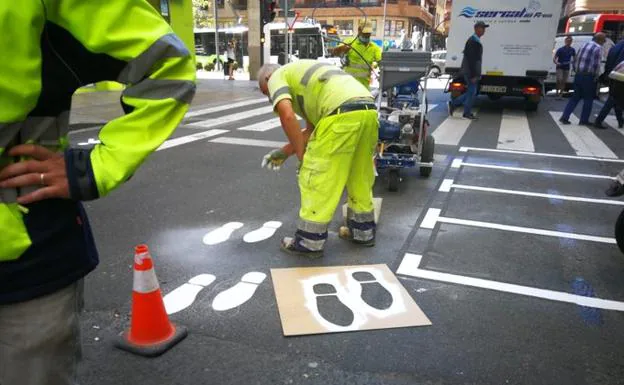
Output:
x=150 y=334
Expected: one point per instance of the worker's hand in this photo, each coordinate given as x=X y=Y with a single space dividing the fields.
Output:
x=46 y=163
x=274 y=159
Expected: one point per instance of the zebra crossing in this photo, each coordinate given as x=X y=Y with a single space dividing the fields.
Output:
x=517 y=130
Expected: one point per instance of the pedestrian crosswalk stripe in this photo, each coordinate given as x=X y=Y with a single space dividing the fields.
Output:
x=209 y=123
x=451 y=131
x=514 y=132
x=581 y=138
x=262 y=126
x=225 y=107
x=249 y=142
x=190 y=138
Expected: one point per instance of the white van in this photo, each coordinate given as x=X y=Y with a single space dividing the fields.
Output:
x=517 y=47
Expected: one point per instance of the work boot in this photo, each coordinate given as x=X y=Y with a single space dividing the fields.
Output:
x=345 y=233
x=564 y=121
x=469 y=117
x=289 y=246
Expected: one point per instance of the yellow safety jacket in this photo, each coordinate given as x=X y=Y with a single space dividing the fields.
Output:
x=50 y=48
x=357 y=65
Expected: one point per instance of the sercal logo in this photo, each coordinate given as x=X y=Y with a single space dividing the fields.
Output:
x=528 y=12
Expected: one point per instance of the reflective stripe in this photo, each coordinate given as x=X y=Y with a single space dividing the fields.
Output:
x=145 y=281
x=166 y=47
x=310 y=72
x=301 y=103
x=331 y=73
x=180 y=90
x=312 y=245
x=360 y=217
x=312 y=227
x=362 y=235
x=279 y=92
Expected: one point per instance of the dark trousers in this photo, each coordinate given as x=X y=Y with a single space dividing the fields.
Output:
x=609 y=104
x=584 y=89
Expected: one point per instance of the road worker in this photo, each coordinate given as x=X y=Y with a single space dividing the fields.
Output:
x=335 y=149
x=616 y=91
x=50 y=49
x=361 y=55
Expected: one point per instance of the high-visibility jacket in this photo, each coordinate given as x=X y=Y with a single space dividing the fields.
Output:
x=49 y=49
x=359 y=65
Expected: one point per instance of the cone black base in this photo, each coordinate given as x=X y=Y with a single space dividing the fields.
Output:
x=154 y=350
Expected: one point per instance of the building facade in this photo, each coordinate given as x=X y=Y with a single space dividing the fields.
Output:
x=578 y=7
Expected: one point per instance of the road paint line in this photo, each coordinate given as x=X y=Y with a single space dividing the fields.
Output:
x=410 y=266
x=433 y=216
x=530 y=170
x=248 y=142
x=542 y=154
x=451 y=131
x=582 y=139
x=530 y=194
x=262 y=126
x=514 y=133
x=209 y=123
x=89 y=129
x=225 y=107
x=446 y=185
x=190 y=138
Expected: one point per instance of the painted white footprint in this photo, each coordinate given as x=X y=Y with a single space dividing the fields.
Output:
x=184 y=296
x=265 y=232
x=221 y=234
x=239 y=293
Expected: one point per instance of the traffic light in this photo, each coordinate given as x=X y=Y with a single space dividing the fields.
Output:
x=267 y=10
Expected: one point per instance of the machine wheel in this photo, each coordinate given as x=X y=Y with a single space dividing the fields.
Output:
x=393 y=180
x=619 y=231
x=427 y=155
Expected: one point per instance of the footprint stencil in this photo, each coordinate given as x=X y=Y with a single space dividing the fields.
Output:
x=263 y=233
x=184 y=296
x=239 y=293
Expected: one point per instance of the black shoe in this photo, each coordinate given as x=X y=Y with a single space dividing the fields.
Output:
x=288 y=246
x=585 y=124
x=615 y=190
x=599 y=125
x=470 y=117
x=564 y=121
x=345 y=233
x=451 y=108
x=620 y=124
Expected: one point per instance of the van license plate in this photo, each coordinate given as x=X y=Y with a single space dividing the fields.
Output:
x=494 y=89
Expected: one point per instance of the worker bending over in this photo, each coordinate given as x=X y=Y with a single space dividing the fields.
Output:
x=335 y=149
x=361 y=54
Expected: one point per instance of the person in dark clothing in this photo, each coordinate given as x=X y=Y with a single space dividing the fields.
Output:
x=563 y=59
x=471 y=69
x=616 y=56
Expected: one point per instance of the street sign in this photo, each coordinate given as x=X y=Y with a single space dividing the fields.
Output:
x=291 y=20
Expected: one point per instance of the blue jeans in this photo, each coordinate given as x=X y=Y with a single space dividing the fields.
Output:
x=585 y=89
x=609 y=104
x=468 y=97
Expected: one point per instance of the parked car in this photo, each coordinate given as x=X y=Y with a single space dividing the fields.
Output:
x=439 y=61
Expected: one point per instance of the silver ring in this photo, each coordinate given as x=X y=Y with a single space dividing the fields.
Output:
x=41 y=178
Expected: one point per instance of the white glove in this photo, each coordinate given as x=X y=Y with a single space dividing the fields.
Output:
x=274 y=160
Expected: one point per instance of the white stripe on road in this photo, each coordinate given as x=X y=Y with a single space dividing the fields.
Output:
x=249 y=142
x=209 y=123
x=514 y=133
x=190 y=138
x=451 y=131
x=582 y=139
x=262 y=126
x=457 y=163
x=477 y=149
x=224 y=107
x=410 y=266
x=433 y=216
x=448 y=184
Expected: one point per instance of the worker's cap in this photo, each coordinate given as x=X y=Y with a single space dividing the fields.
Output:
x=481 y=24
x=365 y=26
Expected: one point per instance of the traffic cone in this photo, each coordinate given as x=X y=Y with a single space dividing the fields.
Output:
x=150 y=334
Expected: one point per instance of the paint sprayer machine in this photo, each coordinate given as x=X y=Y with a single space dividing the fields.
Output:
x=404 y=141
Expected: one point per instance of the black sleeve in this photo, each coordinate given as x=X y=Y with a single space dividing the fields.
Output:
x=472 y=56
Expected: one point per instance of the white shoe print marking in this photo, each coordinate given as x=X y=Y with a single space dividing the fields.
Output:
x=221 y=234
x=263 y=233
x=239 y=293
x=184 y=296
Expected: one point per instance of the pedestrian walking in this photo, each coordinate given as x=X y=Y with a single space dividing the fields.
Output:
x=615 y=57
x=46 y=244
x=335 y=149
x=231 y=59
x=616 y=92
x=471 y=70
x=563 y=59
x=587 y=70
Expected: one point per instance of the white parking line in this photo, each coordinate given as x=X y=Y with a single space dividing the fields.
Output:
x=448 y=184
x=433 y=216
x=248 y=142
x=542 y=154
x=410 y=266
x=224 y=107
x=457 y=163
x=190 y=138
x=582 y=139
x=514 y=133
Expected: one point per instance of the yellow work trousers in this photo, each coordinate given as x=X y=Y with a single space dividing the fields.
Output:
x=339 y=154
